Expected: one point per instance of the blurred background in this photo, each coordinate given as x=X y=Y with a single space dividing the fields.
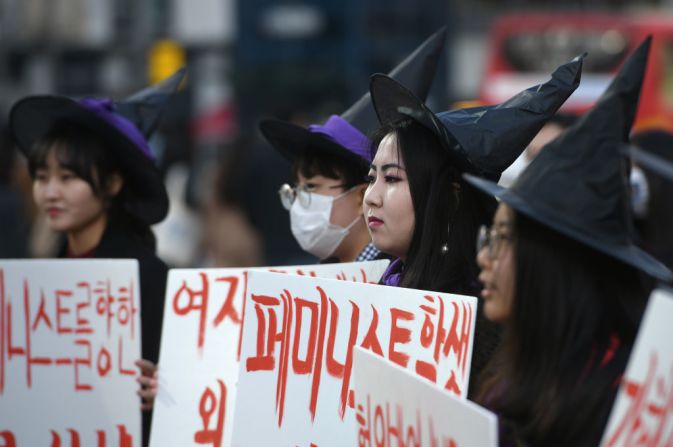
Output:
x=298 y=60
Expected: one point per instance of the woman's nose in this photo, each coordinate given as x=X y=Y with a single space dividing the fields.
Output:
x=483 y=258
x=52 y=189
x=372 y=196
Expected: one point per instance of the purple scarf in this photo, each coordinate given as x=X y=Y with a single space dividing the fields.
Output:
x=393 y=274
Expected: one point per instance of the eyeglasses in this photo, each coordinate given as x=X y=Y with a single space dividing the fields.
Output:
x=288 y=194
x=491 y=239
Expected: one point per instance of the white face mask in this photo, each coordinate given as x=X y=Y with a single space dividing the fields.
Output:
x=640 y=192
x=311 y=225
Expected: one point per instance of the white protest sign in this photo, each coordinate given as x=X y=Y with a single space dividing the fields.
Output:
x=200 y=348
x=295 y=384
x=394 y=407
x=642 y=414
x=69 y=337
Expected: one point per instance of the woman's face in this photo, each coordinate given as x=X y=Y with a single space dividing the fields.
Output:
x=66 y=199
x=496 y=261
x=387 y=206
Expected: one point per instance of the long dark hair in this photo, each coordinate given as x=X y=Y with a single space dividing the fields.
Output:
x=447 y=212
x=90 y=158
x=574 y=317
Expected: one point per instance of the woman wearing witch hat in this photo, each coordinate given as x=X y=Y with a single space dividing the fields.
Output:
x=419 y=209
x=330 y=162
x=95 y=179
x=562 y=276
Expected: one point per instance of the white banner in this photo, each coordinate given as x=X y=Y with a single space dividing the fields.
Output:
x=69 y=337
x=200 y=348
x=643 y=411
x=295 y=384
x=394 y=407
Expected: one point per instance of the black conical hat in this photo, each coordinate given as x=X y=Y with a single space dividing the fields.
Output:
x=578 y=183
x=481 y=140
x=125 y=125
x=417 y=71
x=146 y=107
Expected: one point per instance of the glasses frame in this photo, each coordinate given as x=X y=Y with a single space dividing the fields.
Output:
x=288 y=194
x=493 y=240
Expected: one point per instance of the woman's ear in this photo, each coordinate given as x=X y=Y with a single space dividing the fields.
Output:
x=115 y=184
x=361 y=195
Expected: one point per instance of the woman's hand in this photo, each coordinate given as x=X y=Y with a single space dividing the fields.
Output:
x=148 y=383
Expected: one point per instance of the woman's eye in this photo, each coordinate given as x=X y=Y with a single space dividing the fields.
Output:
x=391 y=179
x=370 y=178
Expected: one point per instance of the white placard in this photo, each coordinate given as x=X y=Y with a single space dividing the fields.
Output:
x=396 y=408
x=642 y=414
x=200 y=349
x=69 y=337
x=295 y=385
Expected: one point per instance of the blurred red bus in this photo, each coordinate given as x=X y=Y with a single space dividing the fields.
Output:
x=524 y=48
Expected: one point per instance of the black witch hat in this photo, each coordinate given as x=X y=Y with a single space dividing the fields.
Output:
x=126 y=125
x=578 y=184
x=345 y=135
x=482 y=140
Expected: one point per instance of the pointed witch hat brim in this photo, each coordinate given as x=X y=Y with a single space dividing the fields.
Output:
x=481 y=140
x=347 y=132
x=33 y=117
x=577 y=185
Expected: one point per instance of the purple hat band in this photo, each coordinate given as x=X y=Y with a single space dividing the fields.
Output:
x=105 y=110
x=343 y=133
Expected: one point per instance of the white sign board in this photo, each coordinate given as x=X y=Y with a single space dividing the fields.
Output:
x=200 y=349
x=295 y=385
x=642 y=414
x=69 y=337
x=396 y=408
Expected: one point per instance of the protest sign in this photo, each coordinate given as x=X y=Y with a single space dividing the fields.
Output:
x=642 y=414
x=69 y=337
x=396 y=408
x=200 y=348
x=295 y=384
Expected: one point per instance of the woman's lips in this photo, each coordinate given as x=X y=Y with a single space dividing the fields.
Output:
x=374 y=222
x=53 y=211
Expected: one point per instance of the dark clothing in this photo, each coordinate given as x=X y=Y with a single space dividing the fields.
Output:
x=13 y=225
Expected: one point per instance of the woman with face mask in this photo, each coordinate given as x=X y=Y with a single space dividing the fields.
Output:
x=329 y=165
x=563 y=277
x=418 y=208
x=95 y=180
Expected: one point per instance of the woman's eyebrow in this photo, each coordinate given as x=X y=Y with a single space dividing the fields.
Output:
x=387 y=166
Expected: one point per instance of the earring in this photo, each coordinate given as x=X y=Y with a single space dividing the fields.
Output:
x=445 y=247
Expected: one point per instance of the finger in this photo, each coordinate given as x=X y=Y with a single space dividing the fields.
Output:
x=146 y=367
x=147 y=395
